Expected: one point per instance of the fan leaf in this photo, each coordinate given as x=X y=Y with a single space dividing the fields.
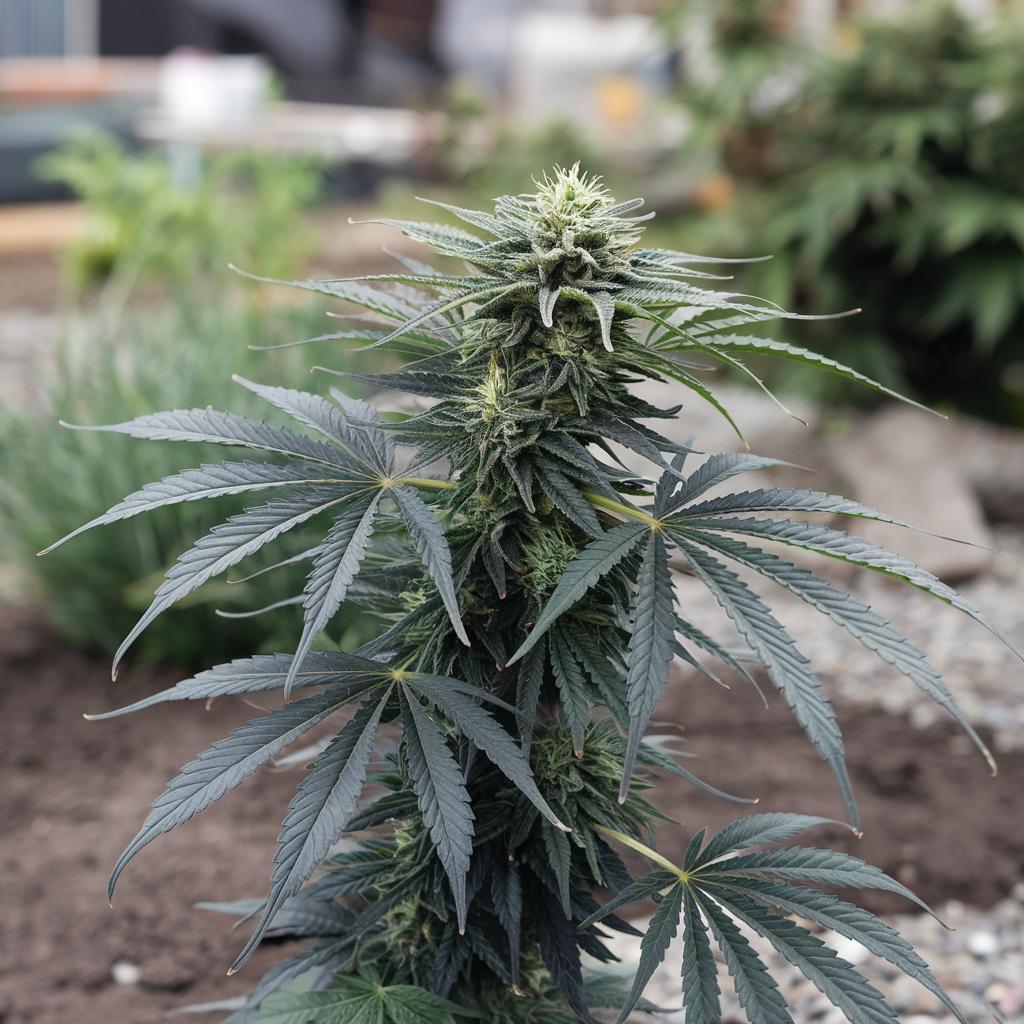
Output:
x=650 y=647
x=443 y=800
x=653 y=947
x=432 y=546
x=226 y=765
x=787 y=667
x=334 y=568
x=318 y=813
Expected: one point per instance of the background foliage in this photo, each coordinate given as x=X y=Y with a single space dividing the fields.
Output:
x=879 y=175
x=164 y=245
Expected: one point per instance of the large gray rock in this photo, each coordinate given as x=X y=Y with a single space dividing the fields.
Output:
x=912 y=466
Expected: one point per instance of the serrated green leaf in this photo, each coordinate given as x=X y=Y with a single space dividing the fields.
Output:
x=572 y=688
x=335 y=566
x=757 y=830
x=556 y=842
x=650 y=647
x=318 y=813
x=714 y=471
x=787 y=667
x=653 y=947
x=208 y=426
x=322 y=416
x=225 y=546
x=430 y=542
x=848 y=920
x=226 y=765
x=700 y=974
x=856 y=618
x=211 y=481
x=856 y=550
x=568 y=498
x=485 y=732
x=836 y=979
x=782 y=499
x=757 y=991
x=409 y=1004
x=641 y=889
x=770 y=347
x=507 y=899
x=443 y=799
x=807 y=864
x=529 y=681
x=264 y=672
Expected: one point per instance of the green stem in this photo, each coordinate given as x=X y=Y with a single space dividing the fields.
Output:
x=427 y=483
x=652 y=855
x=600 y=501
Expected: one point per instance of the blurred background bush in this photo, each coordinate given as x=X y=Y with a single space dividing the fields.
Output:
x=884 y=174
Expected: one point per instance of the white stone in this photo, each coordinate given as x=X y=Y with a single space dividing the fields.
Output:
x=983 y=944
x=125 y=973
x=849 y=949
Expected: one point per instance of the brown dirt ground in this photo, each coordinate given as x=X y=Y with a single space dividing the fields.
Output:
x=74 y=792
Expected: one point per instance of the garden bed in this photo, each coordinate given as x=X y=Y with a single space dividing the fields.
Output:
x=75 y=792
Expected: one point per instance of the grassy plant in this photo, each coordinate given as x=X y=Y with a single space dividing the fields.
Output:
x=528 y=625
x=168 y=357
x=143 y=224
x=147 y=217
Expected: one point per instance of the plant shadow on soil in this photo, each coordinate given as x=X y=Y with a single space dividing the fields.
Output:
x=74 y=793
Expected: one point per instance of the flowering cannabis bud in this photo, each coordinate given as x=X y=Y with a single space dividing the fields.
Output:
x=528 y=624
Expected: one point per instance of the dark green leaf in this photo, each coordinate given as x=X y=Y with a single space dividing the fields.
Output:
x=654 y=945
x=334 y=568
x=650 y=647
x=443 y=799
x=806 y=864
x=836 y=979
x=787 y=667
x=700 y=975
x=227 y=764
x=264 y=672
x=318 y=813
x=849 y=920
x=226 y=545
x=856 y=618
x=572 y=688
x=479 y=726
x=432 y=546
x=758 y=830
x=758 y=994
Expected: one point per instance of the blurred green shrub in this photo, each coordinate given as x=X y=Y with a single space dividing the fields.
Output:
x=96 y=586
x=175 y=345
x=181 y=220
x=884 y=176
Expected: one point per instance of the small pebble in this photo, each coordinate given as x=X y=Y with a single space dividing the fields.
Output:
x=983 y=944
x=125 y=973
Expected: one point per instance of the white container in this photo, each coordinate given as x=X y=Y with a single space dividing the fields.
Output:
x=201 y=91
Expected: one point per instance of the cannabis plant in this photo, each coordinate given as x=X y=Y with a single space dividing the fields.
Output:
x=522 y=579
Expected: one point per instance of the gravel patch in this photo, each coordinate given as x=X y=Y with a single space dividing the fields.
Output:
x=984 y=675
x=979 y=961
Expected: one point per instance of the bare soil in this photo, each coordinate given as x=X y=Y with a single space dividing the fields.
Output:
x=74 y=792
